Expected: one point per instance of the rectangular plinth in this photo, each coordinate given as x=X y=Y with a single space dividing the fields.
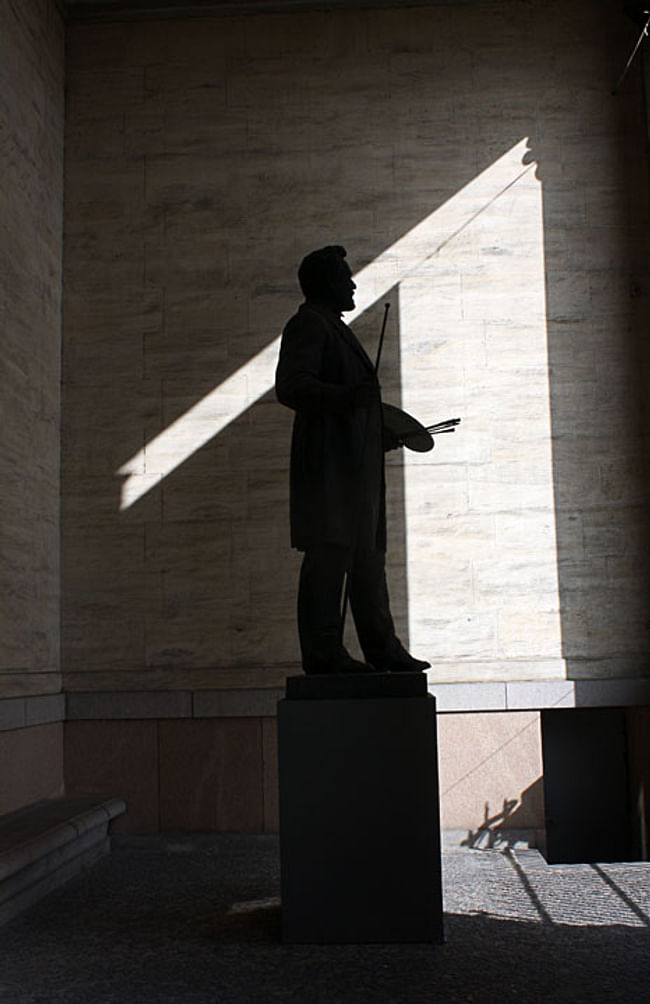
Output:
x=339 y=686
x=359 y=820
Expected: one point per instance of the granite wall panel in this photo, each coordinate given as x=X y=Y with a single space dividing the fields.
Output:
x=270 y=763
x=31 y=765
x=108 y=757
x=211 y=776
x=219 y=774
x=490 y=772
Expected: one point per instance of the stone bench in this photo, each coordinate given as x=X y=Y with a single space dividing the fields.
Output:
x=44 y=845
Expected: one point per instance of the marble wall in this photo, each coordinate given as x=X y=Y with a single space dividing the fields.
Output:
x=31 y=208
x=31 y=211
x=474 y=163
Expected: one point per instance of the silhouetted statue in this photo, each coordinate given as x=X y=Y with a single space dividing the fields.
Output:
x=338 y=513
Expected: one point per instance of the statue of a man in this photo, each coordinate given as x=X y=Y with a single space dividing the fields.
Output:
x=338 y=516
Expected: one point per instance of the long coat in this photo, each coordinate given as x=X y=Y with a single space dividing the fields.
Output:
x=337 y=459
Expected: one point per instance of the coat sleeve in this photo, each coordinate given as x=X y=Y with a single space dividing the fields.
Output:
x=298 y=382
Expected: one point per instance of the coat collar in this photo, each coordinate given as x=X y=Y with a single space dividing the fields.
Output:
x=330 y=314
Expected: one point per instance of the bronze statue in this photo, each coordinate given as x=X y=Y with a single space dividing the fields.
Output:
x=338 y=516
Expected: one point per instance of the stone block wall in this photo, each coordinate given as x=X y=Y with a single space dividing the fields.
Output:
x=31 y=211
x=31 y=206
x=206 y=760
x=474 y=163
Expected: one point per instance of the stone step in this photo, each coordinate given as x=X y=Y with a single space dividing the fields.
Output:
x=46 y=844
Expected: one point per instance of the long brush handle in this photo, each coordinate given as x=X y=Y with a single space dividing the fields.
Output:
x=381 y=337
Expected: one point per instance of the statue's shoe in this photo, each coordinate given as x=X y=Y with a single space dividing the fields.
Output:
x=408 y=665
x=343 y=663
x=400 y=662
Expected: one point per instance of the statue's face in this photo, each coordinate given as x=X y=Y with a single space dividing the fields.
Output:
x=342 y=288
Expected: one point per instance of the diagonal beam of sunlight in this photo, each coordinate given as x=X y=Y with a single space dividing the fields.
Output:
x=223 y=405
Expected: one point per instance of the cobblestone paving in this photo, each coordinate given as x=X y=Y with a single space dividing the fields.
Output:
x=197 y=921
x=519 y=885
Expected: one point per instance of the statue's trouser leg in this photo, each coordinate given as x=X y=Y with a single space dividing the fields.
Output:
x=370 y=604
x=319 y=605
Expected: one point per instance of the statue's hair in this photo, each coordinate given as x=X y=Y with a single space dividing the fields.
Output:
x=318 y=268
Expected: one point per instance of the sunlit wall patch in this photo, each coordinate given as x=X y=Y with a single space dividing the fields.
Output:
x=223 y=405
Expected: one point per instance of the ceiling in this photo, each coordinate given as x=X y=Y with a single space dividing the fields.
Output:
x=118 y=10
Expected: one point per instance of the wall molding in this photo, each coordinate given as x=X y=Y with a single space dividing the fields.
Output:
x=27 y=712
x=523 y=695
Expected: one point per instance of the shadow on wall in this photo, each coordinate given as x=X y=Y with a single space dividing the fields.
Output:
x=219 y=578
x=198 y=571
x=189 y=207
x=597 y=248
x=517 y=820
x=207 y=558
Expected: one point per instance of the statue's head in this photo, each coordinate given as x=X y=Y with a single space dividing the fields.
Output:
x=325 y=277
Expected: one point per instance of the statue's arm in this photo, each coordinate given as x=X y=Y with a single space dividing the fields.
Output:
x=298 y=383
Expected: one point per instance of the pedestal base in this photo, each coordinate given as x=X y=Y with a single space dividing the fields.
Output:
x=359 y=817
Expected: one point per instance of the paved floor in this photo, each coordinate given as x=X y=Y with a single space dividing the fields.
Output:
x=197 y=921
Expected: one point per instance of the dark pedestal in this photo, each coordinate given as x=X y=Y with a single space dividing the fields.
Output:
x=359 y=817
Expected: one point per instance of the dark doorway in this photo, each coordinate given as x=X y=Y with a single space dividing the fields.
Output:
x=586 y=785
